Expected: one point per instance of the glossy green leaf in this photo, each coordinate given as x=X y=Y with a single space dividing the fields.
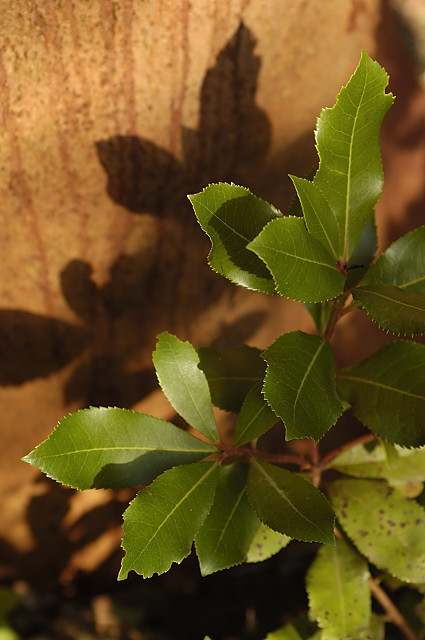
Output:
x=160 y=524
x=392 y=308
x=408 y=466
x=184 y=384
x=231 y=373
x=225 y=537
x=363 y=254
x=386 y=527
x=338 y=592
x=289 y=504
x=113 y=448
x=320 y=219
x=302 y=268
x=402 y=264
x=387 y=392
x=232 y=216
x=266 y=543
x=300 y=384
x=347 y=138
x=255 y=417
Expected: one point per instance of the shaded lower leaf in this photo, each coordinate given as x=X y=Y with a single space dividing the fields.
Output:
x=338 y=592
x=184 y=384
x=113 y=448
x=160 y=524
x=231 y=373
x=387 y=392
x=362 y=462
x=255 y=417
x=393 y=309
x=387 y=528
x=266 y=543
x=225 y=537
x=300 y=384
x=302 y=268
x=232 y=216
x=289 y=504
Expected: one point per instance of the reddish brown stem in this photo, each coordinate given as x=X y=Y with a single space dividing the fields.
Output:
x=348 y=445
x=393 y=613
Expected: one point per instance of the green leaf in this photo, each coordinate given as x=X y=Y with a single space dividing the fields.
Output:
x=300 y=384
x=255 y=417
x=393 y=309
x=386 y=527
x=231 y=373
x=302 y=268
x=402 y=264
x=225 y=537
x=347 y=138
x=362 y=462
x=161 y=522
x=319 y=312
x=266 y=543
x=338 y=592
x=232 y=216
x=289 y=504
x=113 y=448
x=184 y=384
x=363 y=254
x=320 y=219
x=387 y=392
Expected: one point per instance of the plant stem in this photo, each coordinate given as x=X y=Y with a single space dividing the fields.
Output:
x=284 y=458
x=344 y=447
x=393 y=613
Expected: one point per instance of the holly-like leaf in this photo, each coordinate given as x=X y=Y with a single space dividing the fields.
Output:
x=300 y=384
x=392 y=308
x=255 y=417
x=386 y=527
x=113 y=448
x=302 y=268
x=231 y=373
x=402 y=264
x=225 y=537
x=266 y=543
x=338 y=592
x=347 y=138
x=387 y=392
x=160 y=524
x=184 y=384
x=289 y=504
x=232 y=216
x=320 y=219
x=363 y=254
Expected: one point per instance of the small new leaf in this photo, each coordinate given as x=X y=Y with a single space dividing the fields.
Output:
x=300 y=384
x=160 y=524
x=392 y=308
x=386 y=527
x=110 y=448
x=347 y=139
x=225 y=537
x=338 y=591
x=289 y=504
x=232 y=216
x=302 y=268
x=387 y=392
x=184 y=384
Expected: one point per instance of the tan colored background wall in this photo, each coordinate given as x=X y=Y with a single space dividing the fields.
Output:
x=111 y=112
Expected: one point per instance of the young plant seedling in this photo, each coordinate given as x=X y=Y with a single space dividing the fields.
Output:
x=240 y=503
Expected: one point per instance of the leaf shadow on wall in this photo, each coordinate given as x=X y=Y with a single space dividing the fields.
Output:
x=173 y=285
